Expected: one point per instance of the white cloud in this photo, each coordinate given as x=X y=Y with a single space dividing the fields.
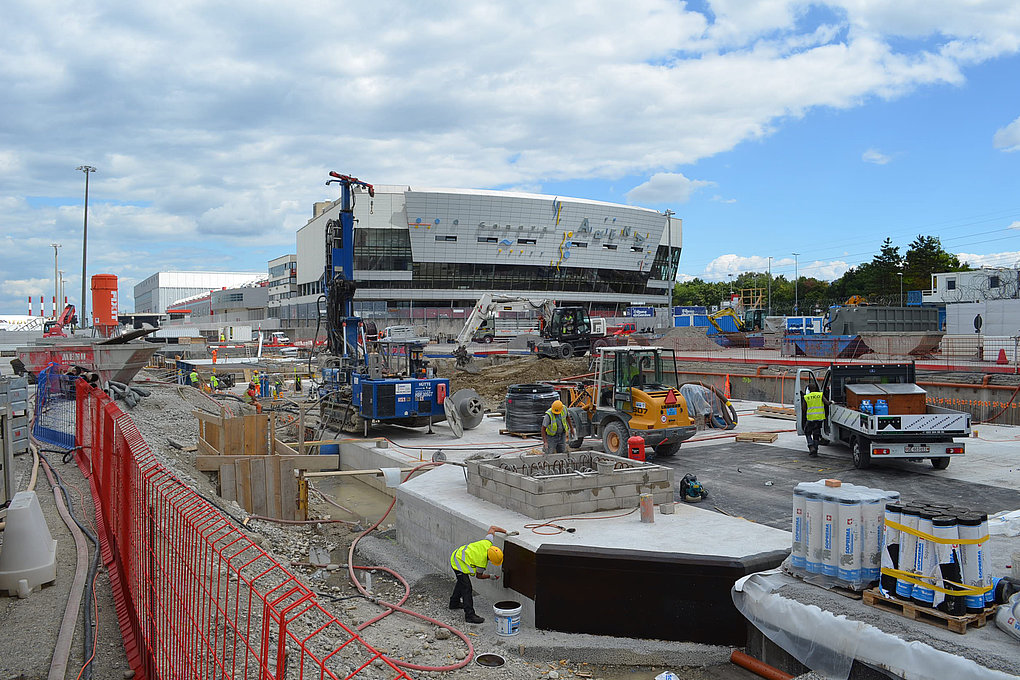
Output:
x=1014 y=225
x=1004 y=259
x=875 y=156
x=230 y=146
x=666 y=187
x=719 y=199
x=1008 y=138
x=720 y=268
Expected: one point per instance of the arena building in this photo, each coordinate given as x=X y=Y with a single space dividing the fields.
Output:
x=425 y=254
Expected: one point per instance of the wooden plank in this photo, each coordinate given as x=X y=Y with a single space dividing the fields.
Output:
x=262 y=435
x=760 y=437
x=259 y=506
x=205 y=448
x=242 y=471
x=211 y=463
x=289 y=490
x=781 y=412
x=272 y=434
x=284 y=450
x=228 y=482
x=207 y=417
x=233 y=443
x=273 y=497
x=350 y=473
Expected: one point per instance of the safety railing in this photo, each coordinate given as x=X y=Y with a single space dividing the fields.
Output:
x=196 y=598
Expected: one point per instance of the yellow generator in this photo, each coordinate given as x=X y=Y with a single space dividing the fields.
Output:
x=628 y=397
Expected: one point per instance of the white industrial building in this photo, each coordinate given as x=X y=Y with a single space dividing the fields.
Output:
x=161 y=290
x=974 y=286
x=430 y=253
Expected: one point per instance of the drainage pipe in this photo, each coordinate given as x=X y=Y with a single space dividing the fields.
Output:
x=758 y=667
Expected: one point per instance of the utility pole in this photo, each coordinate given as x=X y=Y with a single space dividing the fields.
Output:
x=901 y=287
x=770 y=285
x=796 y=283
x=84 y=244
x=56 y=280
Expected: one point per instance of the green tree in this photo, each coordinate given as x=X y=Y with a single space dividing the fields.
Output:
x=926 y=256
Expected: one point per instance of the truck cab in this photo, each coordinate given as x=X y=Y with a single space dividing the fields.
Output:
x=879 y=412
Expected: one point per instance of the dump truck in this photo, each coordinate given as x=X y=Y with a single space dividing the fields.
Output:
x=880 y=413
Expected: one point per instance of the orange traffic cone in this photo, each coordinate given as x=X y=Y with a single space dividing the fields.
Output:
x=1002 y=358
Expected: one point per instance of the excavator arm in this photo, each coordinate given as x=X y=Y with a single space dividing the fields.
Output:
x=489 y=304
x=55 y=329
x=726 y=311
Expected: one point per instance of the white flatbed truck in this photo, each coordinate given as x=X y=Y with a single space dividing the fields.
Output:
x=912 y=429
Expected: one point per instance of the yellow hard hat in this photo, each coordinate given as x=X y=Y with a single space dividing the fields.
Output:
x=495 y=555
x=557 y=406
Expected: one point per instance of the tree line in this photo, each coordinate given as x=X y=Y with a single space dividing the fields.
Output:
x=877 y=281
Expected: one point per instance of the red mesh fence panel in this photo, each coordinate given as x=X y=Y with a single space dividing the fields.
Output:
x=195 y=597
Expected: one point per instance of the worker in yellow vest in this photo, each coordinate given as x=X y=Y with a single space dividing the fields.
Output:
x=214 y=383
x=554 y=429
x=814 y=415
x=472 y=559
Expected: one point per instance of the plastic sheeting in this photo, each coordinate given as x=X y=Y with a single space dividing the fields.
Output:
x=702 y=401
x=828 y=644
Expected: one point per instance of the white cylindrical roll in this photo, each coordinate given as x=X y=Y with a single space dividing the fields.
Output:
x=850 y=538
x=813 y=549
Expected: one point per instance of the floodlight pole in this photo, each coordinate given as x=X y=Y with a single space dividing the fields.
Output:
x=84 y=243
x=796 y=284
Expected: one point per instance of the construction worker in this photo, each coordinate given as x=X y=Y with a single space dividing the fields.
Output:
x=193 y=377
x=214 y=383
x=472 y=559
x=554 y=429
x=814 y=414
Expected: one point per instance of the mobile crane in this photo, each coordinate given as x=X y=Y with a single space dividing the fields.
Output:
x=355 y=390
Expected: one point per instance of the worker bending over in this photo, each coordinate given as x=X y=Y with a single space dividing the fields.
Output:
x=195 y=381
x=814 y=415
x=554 y=429
x=470 y=559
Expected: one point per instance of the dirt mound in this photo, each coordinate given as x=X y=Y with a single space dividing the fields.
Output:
x=688 y=337
x=492 y=381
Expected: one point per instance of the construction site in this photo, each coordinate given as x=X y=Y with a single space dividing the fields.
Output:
x=727 y=496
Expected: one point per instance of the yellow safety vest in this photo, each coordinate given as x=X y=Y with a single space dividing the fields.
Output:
x=555 y=423
x=471 y=557
x=815 y=408
x=214 y=381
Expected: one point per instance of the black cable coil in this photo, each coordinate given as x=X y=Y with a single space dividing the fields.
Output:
x=526 y=404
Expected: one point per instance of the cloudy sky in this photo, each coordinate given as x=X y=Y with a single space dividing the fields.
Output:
x=771 y=127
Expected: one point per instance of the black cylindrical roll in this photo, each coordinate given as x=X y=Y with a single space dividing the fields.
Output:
x=526 y=404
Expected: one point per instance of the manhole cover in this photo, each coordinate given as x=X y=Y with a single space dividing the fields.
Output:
x=490 y=660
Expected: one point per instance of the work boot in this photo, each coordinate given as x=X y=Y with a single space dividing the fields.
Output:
x=474 y=618
x=454 y=604
x=813 y=451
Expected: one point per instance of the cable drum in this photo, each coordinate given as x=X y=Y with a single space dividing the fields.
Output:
x=525 y=406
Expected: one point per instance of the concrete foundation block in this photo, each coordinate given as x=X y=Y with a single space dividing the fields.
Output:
x=529 y=484
x=517 y=494
x=579 y=495
x=557 y=484
x=583 y=507
x=608 y=503
x=544 y=500
x=666 y=508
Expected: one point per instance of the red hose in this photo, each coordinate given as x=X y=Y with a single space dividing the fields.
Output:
x=391 y=607
x=758 y=667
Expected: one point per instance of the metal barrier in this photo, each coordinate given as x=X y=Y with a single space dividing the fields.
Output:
x=55 y=408
x=196 y=598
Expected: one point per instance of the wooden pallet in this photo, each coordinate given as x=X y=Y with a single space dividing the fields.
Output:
x=760 y=437
x=957 y=624
x=522 y=435
x=781 y=412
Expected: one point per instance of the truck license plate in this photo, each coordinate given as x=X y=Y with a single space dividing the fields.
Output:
x=916 y=448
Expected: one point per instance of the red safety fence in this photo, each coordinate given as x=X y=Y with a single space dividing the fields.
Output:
x=195 y=597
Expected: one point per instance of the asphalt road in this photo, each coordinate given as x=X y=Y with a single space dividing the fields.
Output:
x=737 y=477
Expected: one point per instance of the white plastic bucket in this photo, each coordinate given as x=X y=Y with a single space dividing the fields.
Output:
x=508 y=617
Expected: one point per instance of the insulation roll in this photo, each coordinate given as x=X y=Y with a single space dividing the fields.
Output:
x=908 y=550
x=798 y=553
x=924 y=560
x=969 y=527
x=813 y=512
x=850 y=547
x=830 y=527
